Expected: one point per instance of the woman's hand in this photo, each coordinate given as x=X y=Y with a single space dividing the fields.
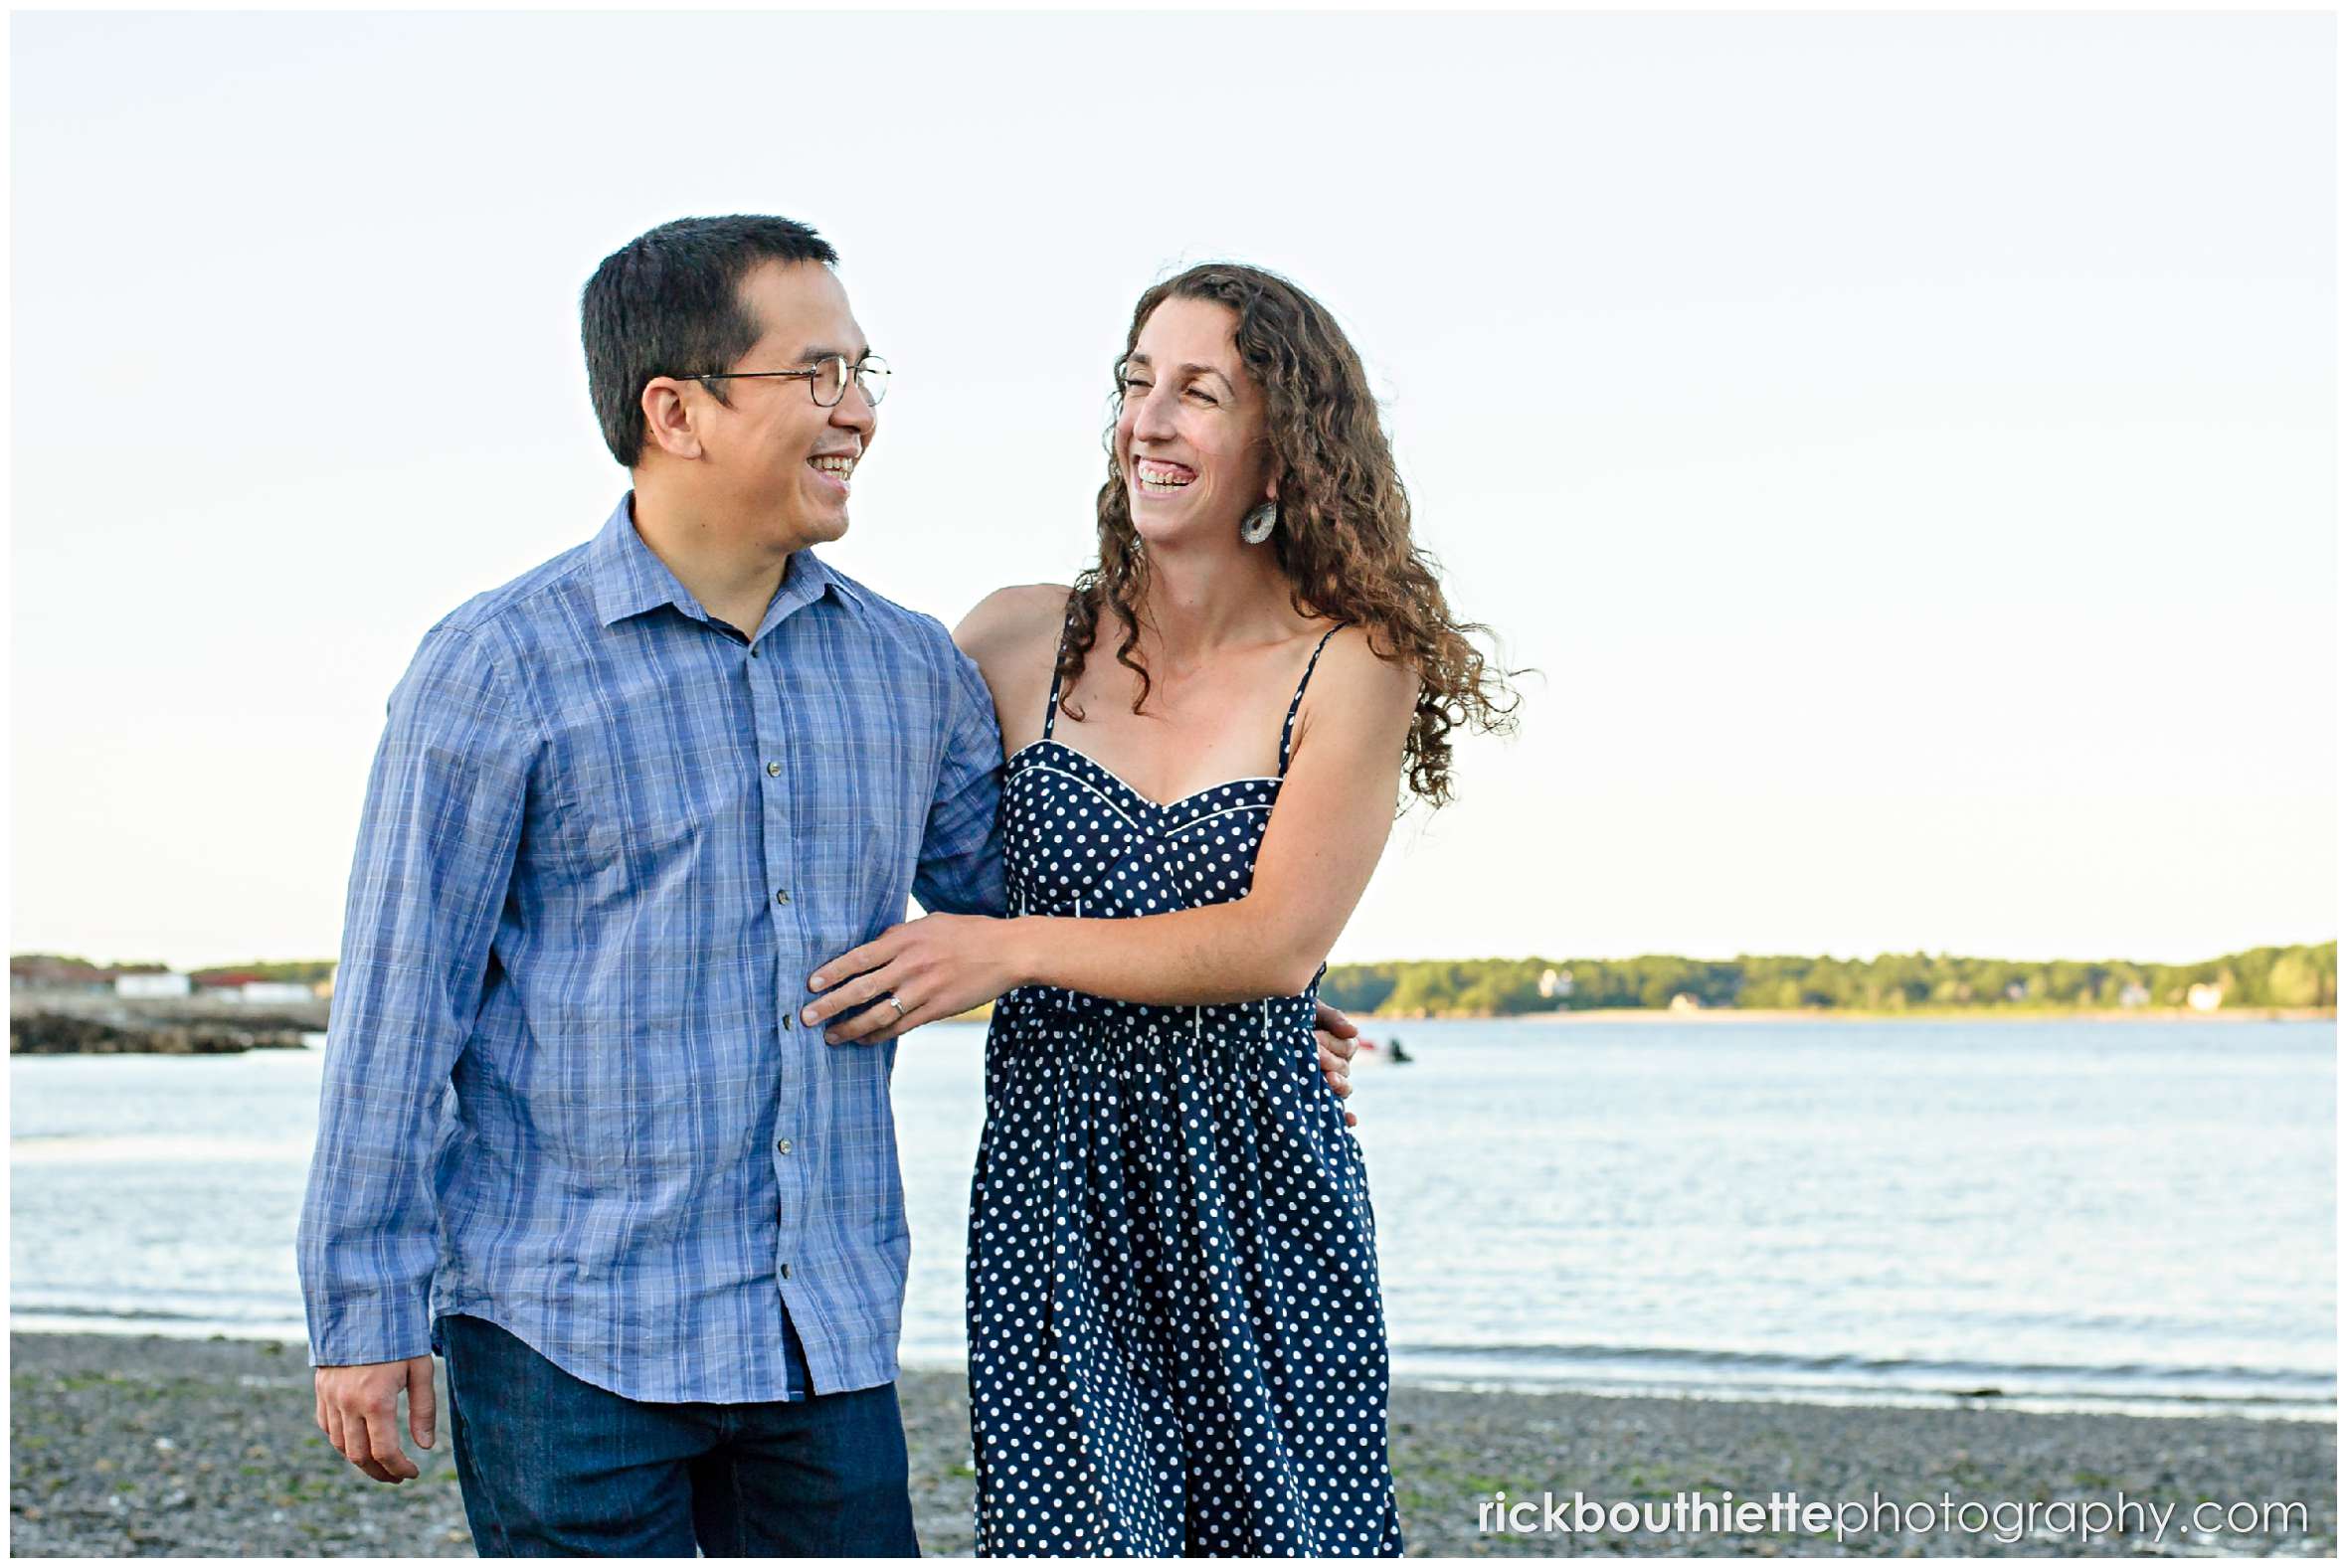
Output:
x=937 y=966
x=942 y=965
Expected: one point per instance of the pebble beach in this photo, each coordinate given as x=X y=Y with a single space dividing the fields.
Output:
x=144 y=1446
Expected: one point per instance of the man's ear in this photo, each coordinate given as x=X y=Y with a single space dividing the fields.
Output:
x=668 y=418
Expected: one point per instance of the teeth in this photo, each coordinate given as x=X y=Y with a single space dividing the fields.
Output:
x=839 y=465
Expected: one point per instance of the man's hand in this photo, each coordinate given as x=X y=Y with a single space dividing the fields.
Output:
x=359 y=1411
x=1339 y=1039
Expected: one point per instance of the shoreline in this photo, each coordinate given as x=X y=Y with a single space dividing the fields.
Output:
x=140 y=1445
x=1857 y=1015
x=292 y=1337
x=176 y=1042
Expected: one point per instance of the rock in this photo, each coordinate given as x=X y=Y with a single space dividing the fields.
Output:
x=55 y=1034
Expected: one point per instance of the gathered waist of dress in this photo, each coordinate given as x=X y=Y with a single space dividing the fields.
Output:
x=1269 y=1013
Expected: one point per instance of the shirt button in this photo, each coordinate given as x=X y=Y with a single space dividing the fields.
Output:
x=782 y=895
x=781 y=1146
x=773 y=769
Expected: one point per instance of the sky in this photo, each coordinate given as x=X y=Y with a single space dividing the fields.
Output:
x=1902 y=446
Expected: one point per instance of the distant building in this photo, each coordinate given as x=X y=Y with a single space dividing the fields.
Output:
x=35 y=971
x=1685 y=1001
x=151 y=985
x=274 y=992
x=2205 y=999
x=2134 y=996
x=1557 y=982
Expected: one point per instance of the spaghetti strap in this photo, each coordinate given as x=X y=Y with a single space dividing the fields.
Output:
x=1288 y=730
x=1051 y=707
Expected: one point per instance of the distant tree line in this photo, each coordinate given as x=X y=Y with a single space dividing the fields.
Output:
x=307 y=971
x=303 y=972
x=2301 y=976
x=21 y=962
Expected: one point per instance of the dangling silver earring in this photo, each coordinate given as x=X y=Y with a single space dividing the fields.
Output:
x=1257 y=525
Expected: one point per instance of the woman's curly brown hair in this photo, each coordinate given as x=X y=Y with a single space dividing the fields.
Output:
x=1343 y=534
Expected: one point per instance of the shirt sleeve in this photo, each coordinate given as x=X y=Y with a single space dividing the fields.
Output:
x=961 y=866
x=435 y=851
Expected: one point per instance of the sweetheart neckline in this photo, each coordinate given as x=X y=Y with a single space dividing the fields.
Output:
x=1161 y=805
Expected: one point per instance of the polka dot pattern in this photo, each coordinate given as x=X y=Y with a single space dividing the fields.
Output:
x=1176 y=1345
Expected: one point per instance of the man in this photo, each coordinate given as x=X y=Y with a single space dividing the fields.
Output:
x=571 y=1137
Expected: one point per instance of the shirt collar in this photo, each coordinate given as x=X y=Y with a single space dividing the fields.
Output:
x=629 y=580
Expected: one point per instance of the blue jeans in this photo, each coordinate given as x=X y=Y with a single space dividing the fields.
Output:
x=554 y=1467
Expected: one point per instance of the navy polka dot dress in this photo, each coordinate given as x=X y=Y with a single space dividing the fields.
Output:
x=1176 y=1345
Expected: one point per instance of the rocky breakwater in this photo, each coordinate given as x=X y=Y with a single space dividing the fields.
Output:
x=74 y=1026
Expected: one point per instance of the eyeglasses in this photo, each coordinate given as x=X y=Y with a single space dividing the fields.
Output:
x=826 y=382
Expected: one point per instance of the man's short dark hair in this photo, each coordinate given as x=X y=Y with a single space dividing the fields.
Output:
x=667 y=303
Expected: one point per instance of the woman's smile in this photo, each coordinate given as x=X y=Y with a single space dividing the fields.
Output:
x=1154 y=477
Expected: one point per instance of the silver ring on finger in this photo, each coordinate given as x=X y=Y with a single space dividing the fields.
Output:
x=890 y=998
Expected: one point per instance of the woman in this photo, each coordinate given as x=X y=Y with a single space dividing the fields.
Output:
x=1175 y=1338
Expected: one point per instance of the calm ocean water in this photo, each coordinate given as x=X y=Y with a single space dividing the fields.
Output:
x=2108 y=1216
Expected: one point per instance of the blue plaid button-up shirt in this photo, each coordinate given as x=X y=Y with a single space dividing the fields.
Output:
x=605 y=842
